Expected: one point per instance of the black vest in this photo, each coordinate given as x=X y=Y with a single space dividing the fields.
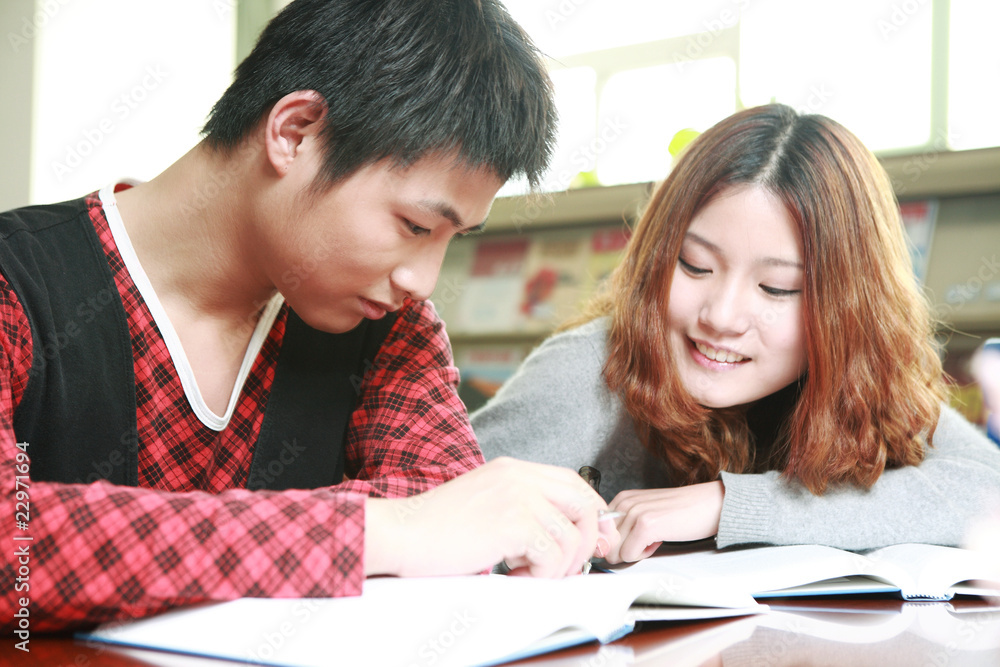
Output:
x=78 y=411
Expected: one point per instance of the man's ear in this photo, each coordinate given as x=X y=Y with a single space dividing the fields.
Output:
x=292 y=121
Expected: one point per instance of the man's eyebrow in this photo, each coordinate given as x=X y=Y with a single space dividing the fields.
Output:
x=445 y=210
x=766 y=261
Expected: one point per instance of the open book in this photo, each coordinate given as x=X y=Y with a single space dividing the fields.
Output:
x=914 y=571
x=488 y=620
x=474 y=620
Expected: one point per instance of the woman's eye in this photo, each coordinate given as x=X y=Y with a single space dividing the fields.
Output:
x=774 y=291
x=693 y=270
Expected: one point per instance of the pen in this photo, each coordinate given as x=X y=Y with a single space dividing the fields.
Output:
x=593 y=477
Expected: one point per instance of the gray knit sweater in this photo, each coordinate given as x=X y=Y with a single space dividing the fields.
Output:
x=557 y=409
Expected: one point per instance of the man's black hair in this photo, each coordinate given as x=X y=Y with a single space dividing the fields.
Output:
x=401 y=79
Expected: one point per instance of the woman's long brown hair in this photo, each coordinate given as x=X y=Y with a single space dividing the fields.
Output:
x=872 y=393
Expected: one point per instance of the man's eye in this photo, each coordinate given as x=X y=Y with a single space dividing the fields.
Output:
x=693 y=270
x=471 y=232
x=416 y=230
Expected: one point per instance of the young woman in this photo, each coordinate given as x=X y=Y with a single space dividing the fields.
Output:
x=762 y=366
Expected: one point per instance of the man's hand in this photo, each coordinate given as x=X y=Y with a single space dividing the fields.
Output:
x=653 y=516
x=541 y=520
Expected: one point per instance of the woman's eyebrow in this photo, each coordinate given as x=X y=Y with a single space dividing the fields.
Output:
x=765 y=261
x=702 y=241
x=778 y=261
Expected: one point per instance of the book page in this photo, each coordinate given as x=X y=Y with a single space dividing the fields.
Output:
x=756 y=569
x=916 y=571
x=443 y=621
x=928 y=571
x=851 y=585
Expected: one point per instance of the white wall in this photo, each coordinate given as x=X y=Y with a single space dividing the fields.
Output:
x=121 y=88
x=17 y=49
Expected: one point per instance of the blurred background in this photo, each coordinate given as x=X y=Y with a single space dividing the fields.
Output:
x=98 y=90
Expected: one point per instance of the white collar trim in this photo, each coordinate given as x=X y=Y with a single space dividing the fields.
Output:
x=173 y=341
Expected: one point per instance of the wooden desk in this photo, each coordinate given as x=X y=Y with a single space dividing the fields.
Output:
x=849 y=631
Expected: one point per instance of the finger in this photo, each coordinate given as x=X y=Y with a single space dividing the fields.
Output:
x=577 y=546
x=614 y=554
x=569 y=540
x=623 y=503
x=557 y=527
x=553 y=547
x=635 y=537
x=516 y=565
x=589 y=530
x=631 y=547
x=638 y=545
x=608 y=537
x=521 y=571
x=567 y=489
x=580 y=506
x=626 y=527
x=649 y=550
x=621 y=498
x=547 y=542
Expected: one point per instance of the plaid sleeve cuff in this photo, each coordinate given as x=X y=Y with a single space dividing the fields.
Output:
x=102 y=552
x=411 y=431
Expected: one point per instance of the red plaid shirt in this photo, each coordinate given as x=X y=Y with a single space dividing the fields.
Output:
x=191 y=531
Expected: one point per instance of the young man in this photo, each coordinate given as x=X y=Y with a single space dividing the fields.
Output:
x=226 y=381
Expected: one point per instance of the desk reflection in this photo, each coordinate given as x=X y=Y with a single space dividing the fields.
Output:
x=882 y=632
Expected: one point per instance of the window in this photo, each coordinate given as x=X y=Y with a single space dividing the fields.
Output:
x=122 y=88
x=907 y=76
x=865 y=63
x=642 y=109
x=973 y=74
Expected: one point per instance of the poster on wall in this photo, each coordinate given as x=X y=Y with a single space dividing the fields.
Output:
x=919 y=218
x=553 y=274
x=606 y=249
x=490 y=302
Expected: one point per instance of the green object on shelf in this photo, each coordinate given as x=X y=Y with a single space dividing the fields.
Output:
x=585 y=179
x=681 y=140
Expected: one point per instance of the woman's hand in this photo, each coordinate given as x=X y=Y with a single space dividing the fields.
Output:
x=541 y=520
x=653 y=516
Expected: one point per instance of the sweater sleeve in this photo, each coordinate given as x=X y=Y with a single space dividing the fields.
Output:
x=557 y=409
x=958 y=481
